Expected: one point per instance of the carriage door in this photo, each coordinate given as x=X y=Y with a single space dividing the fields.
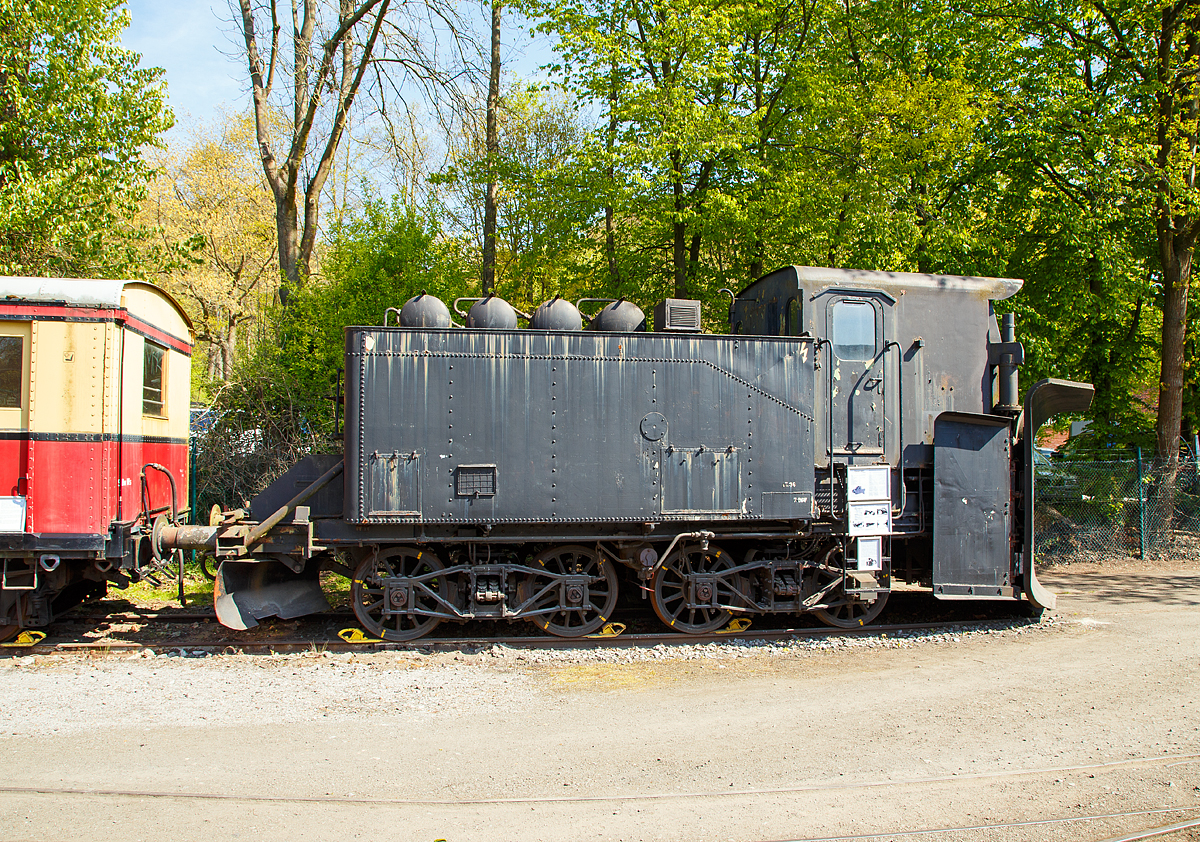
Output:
x=855 y=325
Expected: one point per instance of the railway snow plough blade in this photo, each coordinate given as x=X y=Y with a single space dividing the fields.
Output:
x=246 y=592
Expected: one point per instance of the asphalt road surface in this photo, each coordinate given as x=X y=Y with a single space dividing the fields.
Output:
x=1080 y=728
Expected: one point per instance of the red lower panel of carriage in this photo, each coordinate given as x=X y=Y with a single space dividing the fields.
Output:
x=80 y=487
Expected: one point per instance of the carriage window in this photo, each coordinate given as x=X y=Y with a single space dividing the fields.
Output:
x=794 y=312
x=152 y=380
x=853 y=330
x=11 y=350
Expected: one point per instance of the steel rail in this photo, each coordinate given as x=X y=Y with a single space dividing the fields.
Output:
x=936 y=831
x=1150 y=833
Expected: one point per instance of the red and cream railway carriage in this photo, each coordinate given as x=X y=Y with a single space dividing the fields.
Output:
x=94 y=406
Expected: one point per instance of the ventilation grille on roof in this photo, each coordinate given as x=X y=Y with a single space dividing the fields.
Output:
x=677 y=314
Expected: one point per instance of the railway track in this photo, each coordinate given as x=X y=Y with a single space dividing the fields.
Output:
x=326 y=637
x=120 y=626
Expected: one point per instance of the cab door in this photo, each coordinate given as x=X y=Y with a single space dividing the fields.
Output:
x=856 y=328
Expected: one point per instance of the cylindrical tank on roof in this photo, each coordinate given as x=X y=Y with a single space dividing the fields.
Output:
x=492 y=312
x=620 y=316
x=424 y=310
x=556 y=314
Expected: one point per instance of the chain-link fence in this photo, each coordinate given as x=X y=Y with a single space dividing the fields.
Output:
x=1093 y=511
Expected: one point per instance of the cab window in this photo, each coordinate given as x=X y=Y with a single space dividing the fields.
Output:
x=794 y=314
x=853 y=330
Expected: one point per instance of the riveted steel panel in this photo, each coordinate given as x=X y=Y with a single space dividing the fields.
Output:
x=577 y=425
x=325 y=503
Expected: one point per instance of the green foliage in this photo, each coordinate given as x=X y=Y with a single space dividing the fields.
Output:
x=745 y=136
x=544 y=205
x=75 y=113
x=1079 y=202
x=736 y=137
x=376 y=259
x=700 y=144
x=1106 y=98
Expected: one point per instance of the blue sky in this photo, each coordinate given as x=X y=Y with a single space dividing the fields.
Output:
x=192 y=40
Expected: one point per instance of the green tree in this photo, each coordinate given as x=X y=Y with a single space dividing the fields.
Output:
x=1077 y=218
x=1133 y=66
x=663 y=70
x=277 y=408
x=211 y=203
x=76 y=112
x=544 y=206
x=749 y=135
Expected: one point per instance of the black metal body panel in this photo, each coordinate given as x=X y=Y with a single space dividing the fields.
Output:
x=972 y=547
x=545 y=427
x=27 y=543
x=325 y=503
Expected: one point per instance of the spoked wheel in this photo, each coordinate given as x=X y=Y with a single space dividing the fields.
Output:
x=574 y=586
x=844 y=612
x=687 y=590
x=395 y=592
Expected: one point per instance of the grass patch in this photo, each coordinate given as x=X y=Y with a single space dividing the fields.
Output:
x=198 y=589
x=336 y=588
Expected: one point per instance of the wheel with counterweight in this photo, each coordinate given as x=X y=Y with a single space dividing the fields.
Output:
x=690 y=594
x=843 y=611
x=572 y=592
x=399 y=593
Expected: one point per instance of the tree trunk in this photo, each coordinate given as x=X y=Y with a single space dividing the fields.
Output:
x=610 y=249
x=1175 y=227
x=924 y=217
x=289 y=245
x=229 y=348
x=493 y=152
x=1176 y=256
x=678 y=228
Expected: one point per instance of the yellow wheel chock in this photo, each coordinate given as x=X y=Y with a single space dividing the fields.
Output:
x=357 y=636
x=609 y=630
x=26 y=638
x=737 y=624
